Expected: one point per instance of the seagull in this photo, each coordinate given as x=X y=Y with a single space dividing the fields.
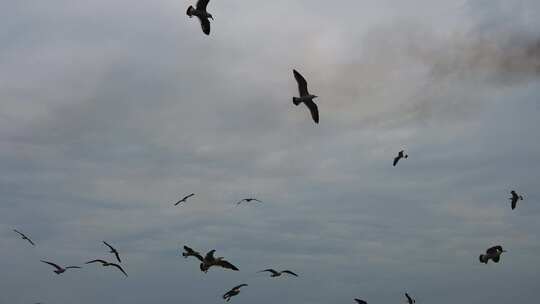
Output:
x=360 y=301
x=274 y=273
x=305 y=97
x=190 y=252
x=201 y=13
x=248 y=200
x=409 y=299
x=105 y=263
x=515 y=198
x=209 y=261
x=24 y=237
x=233 y=292
x=183 y=200
x=113 y=250
x=59 y=269
x=493 y=253
x=400 y=156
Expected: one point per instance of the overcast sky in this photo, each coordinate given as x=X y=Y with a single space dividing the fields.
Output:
x=110 y=110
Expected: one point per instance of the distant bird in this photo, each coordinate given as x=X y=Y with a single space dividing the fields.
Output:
x=248 y=200
x=201 y=13
x=105 y=264
x=305 y=97
x=409 y=299
x=113 y=250
x=401 y=154
x=24 y=237
x=515 y=198
x=274 y=273
x=183 y=200
x=209 y=260
x=190 y=252
x=493 y=253
x=233 y=292
x=360 y=301
x=59 y=269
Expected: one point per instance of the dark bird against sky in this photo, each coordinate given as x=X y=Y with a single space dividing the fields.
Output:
x=248 y=200
x=515 y=198
x=493 y=253
x=410 y=300
x=114 y=251
x=105 y=264
x=59 y=269
x=24 y=237
x=274 y=273
x=401 y=154
x=233 y=292
x=209 y=261
x=305 y=97
x=201 y=13
x=358 y=301
x=183 y=200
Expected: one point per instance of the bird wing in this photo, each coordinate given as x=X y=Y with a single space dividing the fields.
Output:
x=290 y=272
x=313 y=109
x=117 y=256
x=29 y=240
x=360 y=301
x=201 y=5
x=71 y=267
x=514 y=203
x=226 y=264
x=191 y=252
x=396 y=159
x=96 y=261
x=494 y=249
x=53 y=265
x=239 y=286
x=119 y=268
x=19 y=232
x=110 y=247
x=270 y=270
x=240 y=201
x=205 y=25
x=210 y=255
x=409 y=298
x=302 y=83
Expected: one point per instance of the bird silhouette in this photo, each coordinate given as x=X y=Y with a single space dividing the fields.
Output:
x=24 y=237
x=401 y=154
x=114 y=251
x=515 y=198
x=409 y=299
x=274 y=273
x=305 y=97
x=493 y=253
x=190 y=252
x=105 y=264
x=248 y=200
x=201 y=13
x=209 y=260
x=233 y=292
x=59 y=269
x=358 y=301
x=183 y=200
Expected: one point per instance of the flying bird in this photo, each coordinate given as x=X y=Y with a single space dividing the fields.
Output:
x=515 y=198
x=493 y=253
x=248 y=200
x=59 y=269
x=24 y=237
x=190 y=252
x=274 y=273
x=183 y=200
x=305 y=97
x=113 y=250
x=409 y=299
x=233 y=292
x=201 y=13
x=360 y=301
x=209 y=260
x=401 y=154
x=105 y=264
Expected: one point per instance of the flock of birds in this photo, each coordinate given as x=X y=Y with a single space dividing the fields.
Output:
x=209 y=260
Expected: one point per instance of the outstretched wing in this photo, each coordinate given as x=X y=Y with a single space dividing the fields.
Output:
x=290 y=272
x=396 y=159
x=191 y=252
x=409 y=298
x=210 y=255
x=53 y=265
x=302 y=83
x=360 y=301
x=240 y=201
x=205 y=25
x=119 y=268
x=313 y=109
x=73 y=267
x=17 y=231
x=226 y=264
x=201 y=5
x=270 y=270
x=96 y=261
x=514 y=202
x=239 y=286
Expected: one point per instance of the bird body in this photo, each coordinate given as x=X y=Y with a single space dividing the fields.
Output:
x=274 y=273
x=305 y=97
x=515 y=198
x=493 y=253
x=105 y=264
x=24 y=237
x=59 y=269
x=233 y=292
x=200 y=12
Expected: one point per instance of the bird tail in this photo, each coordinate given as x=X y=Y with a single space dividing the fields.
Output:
x=296 y=101
x=483 y=259
x=190 y=10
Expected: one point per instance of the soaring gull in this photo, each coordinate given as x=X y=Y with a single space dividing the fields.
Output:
x=201 y=13
x=305 y=97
